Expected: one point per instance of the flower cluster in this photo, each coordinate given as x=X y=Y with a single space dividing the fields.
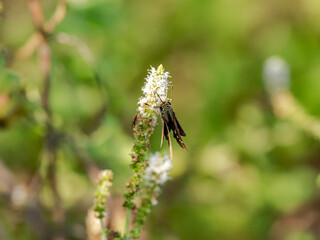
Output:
x=157 y=171
x=157 y=174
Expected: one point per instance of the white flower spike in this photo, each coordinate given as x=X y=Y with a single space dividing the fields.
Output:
x=157 y=82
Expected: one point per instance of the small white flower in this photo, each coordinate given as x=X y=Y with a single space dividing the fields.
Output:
x=276 y=74
x=157 y=171
x=19 y=195
x=156 y=83
x=154 y=202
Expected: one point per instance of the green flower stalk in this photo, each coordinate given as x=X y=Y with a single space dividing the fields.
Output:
x=155 y=176
x=155 y=87
x=156 y=83
x=103 y=191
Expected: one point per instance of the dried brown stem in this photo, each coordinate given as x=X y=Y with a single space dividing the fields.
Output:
x=45 y=62
x=29 y=47
x=36 y=13
x=57 y=16
x=44 y=29
x=40 y=41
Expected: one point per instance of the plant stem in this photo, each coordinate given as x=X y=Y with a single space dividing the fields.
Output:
x=103 y=230
x=126 y=228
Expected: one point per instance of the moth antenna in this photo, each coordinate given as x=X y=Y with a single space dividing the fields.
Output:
x=159 y=96
x=171 y=90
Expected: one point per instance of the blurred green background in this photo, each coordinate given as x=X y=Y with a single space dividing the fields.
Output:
x=248 y=174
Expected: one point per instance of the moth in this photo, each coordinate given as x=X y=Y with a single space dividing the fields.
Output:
x=170 y=122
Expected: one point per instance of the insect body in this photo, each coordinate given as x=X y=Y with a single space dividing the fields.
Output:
x=170 y=122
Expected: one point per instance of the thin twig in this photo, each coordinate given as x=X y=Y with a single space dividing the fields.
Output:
x=29 y=47
x=57 y=16
x=81 y=47
x=43 y=29
x=36 y=13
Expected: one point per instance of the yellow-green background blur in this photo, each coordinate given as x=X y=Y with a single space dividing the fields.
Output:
x=248 y=175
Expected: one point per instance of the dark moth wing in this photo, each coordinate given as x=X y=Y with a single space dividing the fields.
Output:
x=165 y=130
x=182 y=133
x=170 y=122
x=177 y=130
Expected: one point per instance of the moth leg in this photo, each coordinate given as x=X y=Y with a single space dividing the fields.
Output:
x=170 y=143
x=162 y=132
x=154 y=107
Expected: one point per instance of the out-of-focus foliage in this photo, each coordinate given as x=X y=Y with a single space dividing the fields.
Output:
x=248 y=174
